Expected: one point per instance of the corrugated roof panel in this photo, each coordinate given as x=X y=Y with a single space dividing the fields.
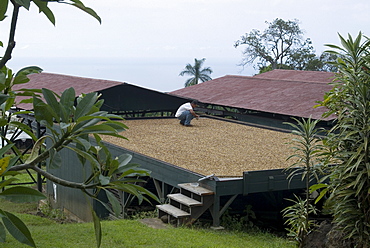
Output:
x=118 y=96
x=286 y=97
x=58 y=83
x=302 y=76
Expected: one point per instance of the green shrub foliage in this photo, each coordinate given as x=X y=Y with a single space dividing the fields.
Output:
x=350 y=176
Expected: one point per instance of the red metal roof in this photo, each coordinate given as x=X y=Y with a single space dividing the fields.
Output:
x=293 y=97
x=58 y=83
x=303 y=76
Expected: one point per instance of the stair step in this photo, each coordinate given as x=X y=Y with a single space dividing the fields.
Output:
x=174 y=211
x=196 y=190
x=183 y=199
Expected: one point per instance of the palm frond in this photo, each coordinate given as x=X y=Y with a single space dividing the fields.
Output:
x=196 y=72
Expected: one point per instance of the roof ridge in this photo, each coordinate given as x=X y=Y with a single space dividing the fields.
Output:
x=238 y=76
x=291 y=80
x=270 y=79
x=81 y=77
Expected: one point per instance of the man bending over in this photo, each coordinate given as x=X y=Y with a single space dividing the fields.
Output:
x=186 y=113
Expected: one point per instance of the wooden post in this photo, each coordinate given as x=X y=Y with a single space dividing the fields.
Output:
x=216 y=212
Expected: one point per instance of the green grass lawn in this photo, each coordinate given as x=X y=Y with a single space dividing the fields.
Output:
x=131 y=233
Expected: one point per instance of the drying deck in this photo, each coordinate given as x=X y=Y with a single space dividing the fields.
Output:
x=244 y=159
x=211 y=146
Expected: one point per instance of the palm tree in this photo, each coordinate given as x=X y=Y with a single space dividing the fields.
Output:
x=196 y=72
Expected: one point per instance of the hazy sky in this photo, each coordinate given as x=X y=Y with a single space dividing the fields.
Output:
x=148 y=42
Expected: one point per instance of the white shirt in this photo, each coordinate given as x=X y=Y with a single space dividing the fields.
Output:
x=183 y=108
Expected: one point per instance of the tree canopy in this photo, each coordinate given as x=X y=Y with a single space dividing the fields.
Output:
x=281 y=46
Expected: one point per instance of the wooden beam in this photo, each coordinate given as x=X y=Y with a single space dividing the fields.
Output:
x=227 y=205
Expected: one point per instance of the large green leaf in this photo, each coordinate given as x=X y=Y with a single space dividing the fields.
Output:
x=2 y=233
x=116 y=206
x=8 y=103
x=85 y=104
x=3 y=9
x=2 y=81
x=55 y=160
x=9 y=77
x=24 y=3
x=21 y=76
x=113 y=165
x=105 y=205
x=17 y=228
x=52 y=102
x=135 y=173
x=86 y=156
x=4 y=163
x=99 y=115
x=124 y=159
x=36 y=149
x=135 y=190
x=129 y=188
x=100 y=129
x=97 y=106
x=90 y=11
x=42 y=111
x=68 y=97
x=43 y=7
x=28 y=92
x=5 y=149
x=83 y=142
x=66 y=103
x=10 y=180
x=21 y=79
x=97 y=227
x=25 y=128
x=86 y=121
x=3 y=121
x=125 y=170
x=132 y=180
x=21 y=194
x=3 y=98
x=120 y=127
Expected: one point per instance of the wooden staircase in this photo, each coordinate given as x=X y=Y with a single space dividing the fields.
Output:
x=187 y=206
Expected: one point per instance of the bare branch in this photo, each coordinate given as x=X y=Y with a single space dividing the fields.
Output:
x=11 y=43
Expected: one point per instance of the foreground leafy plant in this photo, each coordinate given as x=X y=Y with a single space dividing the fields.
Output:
x=72 y=126
x=297 y=216
x=308 y=164
x=72 y=123
x=349 y=99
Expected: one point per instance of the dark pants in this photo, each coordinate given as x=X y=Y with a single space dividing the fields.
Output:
x=185 y=118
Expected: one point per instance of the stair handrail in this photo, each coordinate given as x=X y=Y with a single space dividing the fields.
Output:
x=210 y=177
